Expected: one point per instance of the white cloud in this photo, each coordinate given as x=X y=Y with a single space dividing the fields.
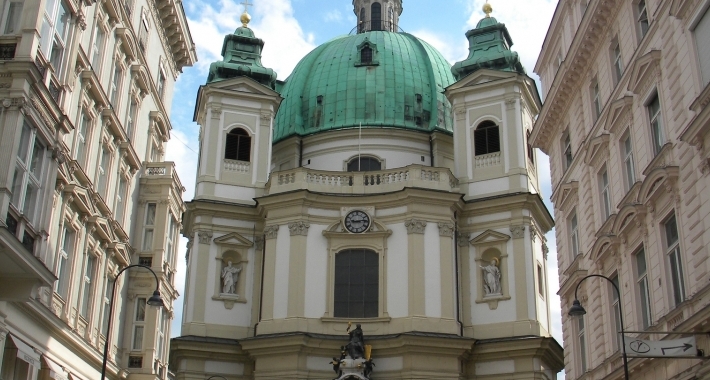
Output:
x=452 y=52
x=333 y=16
x=272 y=20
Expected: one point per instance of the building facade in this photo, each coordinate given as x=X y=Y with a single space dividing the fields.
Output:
x=376 y=185
x=85 y=94
x=625 y=123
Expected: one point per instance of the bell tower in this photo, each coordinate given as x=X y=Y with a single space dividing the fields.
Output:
x=377 y=15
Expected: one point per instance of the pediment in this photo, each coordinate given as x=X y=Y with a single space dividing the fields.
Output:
x=629 y=216
x=233 y=239
x=680 y=7
x=337 y=228
x=243 y=84
x=608 y=227
x=604 y=247
x=566 y=193
x=619 y=114
x=490 y=236
x=480 y=77
x=598 y=150
x=645 y=70
x=657 y=181
x=123 y=252
x=80 y=198
x=103 y=229
x=140 y=73
x=632 y=195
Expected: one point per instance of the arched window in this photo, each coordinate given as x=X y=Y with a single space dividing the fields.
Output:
x=238 y=145
x=376 y=16
x=366 y=55
x=487 y=138
x=361 y=23
x=364 y=164
x=390 y=20
x=357 y=275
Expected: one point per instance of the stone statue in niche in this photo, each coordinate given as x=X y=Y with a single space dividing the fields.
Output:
x=491 y=279
x=230 y=276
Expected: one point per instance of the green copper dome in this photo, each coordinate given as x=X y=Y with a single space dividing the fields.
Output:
x=377 y=79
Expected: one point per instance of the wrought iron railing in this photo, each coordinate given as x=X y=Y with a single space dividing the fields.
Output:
x=371 y=26
x=7 y=51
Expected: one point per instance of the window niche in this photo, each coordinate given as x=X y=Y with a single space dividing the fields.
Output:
x=491 y=268
x=371 y=248
x=367 y=54
x=230 y=269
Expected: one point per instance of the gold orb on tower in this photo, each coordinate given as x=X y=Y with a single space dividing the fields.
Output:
x=487 y=9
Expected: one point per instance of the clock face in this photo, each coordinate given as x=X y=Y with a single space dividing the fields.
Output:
x=357 y=222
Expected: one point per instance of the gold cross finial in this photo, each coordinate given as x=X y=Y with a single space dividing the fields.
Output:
x=487 y=9
x=245 y=16
x=246 y=5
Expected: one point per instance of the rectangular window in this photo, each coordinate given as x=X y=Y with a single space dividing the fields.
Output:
x=82 y=138
x=616 y=321
x=617 y=62
x=54 y=32
x=604 y=194
x=654 y=115
x=10 y=13
x=66 y=252
x=97 y=49
x=540 y=281
x=89 y=268
x=161 y=82
x=596 y=102
x=120 y=199
x=674 y=258
x=629 y=166
x=574 y=235
x=131 y=117
x=581 y=339
x=642 y=17
x=161 y=334
x=356 y=284
x=107 y=306
x=143 y=34
x=148 y=227
x=701 y=33
x=531 y=150
x=170 y=240
x=567 y=150
x=103 y=169
x=139 y=322
x=642 y=288
x=27 y=179
x=115 y=89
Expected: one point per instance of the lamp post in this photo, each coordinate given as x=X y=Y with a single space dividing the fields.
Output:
x=213 y=376
x=578 y=311
x=154 y=300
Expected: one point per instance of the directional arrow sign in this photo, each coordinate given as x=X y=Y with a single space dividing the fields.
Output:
x=639 y=348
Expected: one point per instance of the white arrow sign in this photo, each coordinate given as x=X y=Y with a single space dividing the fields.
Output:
x=639 y=348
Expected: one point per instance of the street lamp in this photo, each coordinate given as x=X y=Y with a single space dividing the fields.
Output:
x=578 y=311
x=154 y=300
x=213 y=376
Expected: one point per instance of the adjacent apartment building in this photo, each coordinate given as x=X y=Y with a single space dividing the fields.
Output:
x=627 y=128
x=85 y=94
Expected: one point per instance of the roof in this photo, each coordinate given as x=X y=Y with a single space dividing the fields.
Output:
x=332 y=89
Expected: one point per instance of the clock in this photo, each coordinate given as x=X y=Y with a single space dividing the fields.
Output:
x=357 y=221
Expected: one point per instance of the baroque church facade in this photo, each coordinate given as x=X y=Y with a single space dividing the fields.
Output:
x=377 y=185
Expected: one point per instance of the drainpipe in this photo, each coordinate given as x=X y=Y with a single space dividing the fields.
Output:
x=300 y=153
x=431 y=150
x=261 y=290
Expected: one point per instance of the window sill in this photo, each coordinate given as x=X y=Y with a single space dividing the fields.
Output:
x=355 y=320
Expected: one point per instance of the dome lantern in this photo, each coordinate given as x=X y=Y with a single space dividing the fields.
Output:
x=379 y=15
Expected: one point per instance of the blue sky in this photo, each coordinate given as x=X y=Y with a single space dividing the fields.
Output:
x=292 y=28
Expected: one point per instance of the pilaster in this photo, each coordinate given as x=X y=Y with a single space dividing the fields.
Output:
x=415 y=236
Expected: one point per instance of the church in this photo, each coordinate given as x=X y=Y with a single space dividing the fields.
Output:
x=375 y=215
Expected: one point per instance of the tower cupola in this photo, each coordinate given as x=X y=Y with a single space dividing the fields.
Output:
x=242 y=57
x=382 y=15
x=489 y=48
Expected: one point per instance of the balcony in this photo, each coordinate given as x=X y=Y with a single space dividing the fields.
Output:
x=21 y=273
x=162 y=171
x=375 y=182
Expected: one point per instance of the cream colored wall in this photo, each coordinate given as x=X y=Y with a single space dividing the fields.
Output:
x=680 y=170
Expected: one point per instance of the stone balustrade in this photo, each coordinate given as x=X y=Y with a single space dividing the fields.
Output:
x=487 y=160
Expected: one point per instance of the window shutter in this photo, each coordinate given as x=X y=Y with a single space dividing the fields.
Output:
x=493 y=140
x=479 y=137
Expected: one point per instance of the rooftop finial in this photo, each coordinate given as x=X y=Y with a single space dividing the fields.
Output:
x=245 y=16
x=487 y=9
